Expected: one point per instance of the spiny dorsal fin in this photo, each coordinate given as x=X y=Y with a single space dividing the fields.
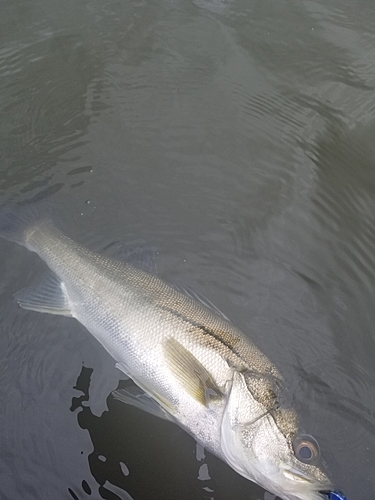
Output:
x=46 y=296
x=190 y=373
x=198 y=297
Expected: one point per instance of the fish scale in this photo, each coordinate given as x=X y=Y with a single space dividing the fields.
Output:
x=191 y=364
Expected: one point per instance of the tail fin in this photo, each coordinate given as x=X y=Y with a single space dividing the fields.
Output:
x=17 y=219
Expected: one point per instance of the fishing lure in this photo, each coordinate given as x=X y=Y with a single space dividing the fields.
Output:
x=336 y=495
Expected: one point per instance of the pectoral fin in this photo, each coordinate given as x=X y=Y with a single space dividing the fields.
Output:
x=190 y=373
x=46 y=296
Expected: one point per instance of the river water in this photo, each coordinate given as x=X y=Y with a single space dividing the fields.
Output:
x=235 y=137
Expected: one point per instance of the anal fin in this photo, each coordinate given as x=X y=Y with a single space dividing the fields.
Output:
x=47 y=296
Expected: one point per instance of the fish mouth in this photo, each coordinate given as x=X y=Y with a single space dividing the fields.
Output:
x=298 y=476
x=321 y=489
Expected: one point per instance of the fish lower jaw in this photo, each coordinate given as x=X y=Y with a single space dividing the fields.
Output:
x=303 y=494
x=297 y=488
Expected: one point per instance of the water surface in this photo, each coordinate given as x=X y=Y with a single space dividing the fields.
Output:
x=236 y=138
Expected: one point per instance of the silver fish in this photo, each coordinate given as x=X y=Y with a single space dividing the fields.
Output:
x=191 y=364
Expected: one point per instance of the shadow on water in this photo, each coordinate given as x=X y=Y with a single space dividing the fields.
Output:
x=170 y=465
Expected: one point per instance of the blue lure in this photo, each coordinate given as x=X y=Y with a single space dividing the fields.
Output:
x=335 y=495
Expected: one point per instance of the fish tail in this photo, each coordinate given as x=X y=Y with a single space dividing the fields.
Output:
x=18 y=220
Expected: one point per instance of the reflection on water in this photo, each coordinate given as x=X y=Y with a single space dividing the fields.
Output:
x=236 y=137
x=136 y=455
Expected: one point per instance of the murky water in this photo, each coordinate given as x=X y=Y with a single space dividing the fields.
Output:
x=234 y=136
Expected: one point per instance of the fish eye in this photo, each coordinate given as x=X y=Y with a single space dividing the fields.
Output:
x=306 y=449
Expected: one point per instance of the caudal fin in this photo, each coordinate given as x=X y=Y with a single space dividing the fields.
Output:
x=17 y=219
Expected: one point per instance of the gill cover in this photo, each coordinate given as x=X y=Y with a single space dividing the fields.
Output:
x=237 y=429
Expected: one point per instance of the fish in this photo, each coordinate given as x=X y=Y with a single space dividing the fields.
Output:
x=189 y=363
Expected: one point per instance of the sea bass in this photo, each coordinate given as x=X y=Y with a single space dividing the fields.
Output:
x=190 y=363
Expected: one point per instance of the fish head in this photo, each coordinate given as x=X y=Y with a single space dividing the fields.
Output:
x=261 y=442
